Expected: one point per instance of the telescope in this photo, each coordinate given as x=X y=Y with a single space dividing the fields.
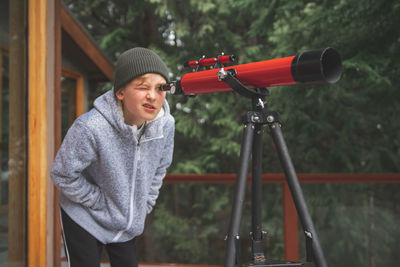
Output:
x=308 y=67
x=251 y=80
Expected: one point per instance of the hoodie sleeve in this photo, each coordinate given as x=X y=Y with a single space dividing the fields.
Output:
x=165 y=162
x=77 y=152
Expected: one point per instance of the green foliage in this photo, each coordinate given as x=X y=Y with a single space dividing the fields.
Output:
x=356 y=223
x=351 y=126
x=192 y=222
x=186 y=223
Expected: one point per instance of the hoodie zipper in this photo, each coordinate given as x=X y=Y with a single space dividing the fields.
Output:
x=130 y=217
x=139 y=140
x=130 y=220
x=138 y=151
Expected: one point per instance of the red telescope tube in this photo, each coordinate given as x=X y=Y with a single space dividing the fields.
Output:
x=315 y=66
x=210 y=61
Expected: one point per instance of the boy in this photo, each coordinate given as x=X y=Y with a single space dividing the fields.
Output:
x=110 y=166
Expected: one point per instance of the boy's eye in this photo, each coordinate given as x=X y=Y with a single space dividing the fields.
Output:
x=164 y=87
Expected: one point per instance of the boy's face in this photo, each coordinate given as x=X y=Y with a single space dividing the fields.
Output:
x=141 y=98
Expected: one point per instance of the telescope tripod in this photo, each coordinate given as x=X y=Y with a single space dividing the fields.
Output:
x=252 y=144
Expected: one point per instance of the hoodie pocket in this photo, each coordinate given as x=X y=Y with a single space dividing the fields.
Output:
x=100 y=203
x=108 y=215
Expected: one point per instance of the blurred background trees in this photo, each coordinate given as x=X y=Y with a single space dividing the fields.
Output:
x=351 y=126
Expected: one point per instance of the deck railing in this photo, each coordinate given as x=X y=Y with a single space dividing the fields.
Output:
x=290 y=218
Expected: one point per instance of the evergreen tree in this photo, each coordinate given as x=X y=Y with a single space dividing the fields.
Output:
x=351 y=126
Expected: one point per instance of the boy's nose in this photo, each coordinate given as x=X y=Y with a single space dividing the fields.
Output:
x=151 y=94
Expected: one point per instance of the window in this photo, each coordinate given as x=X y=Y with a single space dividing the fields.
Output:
x=71 y=98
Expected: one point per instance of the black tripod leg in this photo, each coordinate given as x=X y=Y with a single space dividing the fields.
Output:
x=297 y=194
x=257 y=235
x=237 y=208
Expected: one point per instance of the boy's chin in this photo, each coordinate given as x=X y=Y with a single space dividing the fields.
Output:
x=150 y=117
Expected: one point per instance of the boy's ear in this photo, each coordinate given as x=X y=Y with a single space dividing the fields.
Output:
x=120 y=94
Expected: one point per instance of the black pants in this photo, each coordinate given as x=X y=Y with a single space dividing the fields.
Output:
x=83 y=250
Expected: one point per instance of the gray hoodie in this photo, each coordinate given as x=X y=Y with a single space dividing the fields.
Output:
x=109 y=181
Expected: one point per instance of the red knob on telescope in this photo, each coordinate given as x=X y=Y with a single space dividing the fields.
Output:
x=210 y=61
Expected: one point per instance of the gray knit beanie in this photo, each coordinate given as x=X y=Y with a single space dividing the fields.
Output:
x=136 y=62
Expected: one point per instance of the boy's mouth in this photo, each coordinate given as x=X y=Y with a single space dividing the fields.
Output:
x=149 y=106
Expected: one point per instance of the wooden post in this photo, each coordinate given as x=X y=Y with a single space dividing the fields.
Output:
x=37 y=126
x=57 y=127
x=2 y=208
x=17 y=136
x=291 y=234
